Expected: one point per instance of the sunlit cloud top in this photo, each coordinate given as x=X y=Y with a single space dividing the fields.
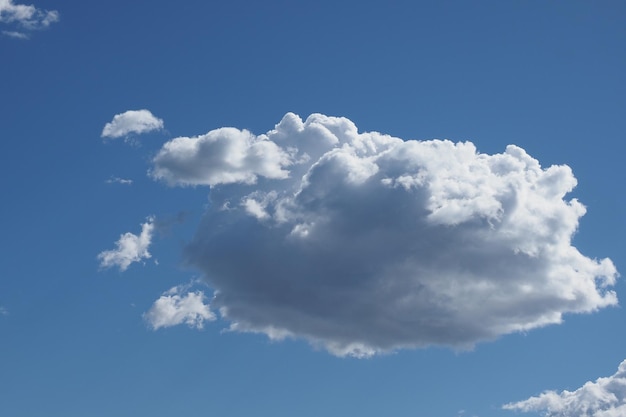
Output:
x=365 y=243
x=131 y=122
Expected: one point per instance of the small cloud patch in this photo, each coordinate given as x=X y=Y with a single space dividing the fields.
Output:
x=117 y=180
x=131 y=122
x=177 y=306
x=130 y=248
x=604 y=397
x=25 y=18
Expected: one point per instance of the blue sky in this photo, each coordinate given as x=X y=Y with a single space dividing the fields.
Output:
x=324 y=255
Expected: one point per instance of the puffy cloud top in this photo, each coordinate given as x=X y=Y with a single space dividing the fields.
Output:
x=221 y=156
x=364 y=243
x=131 y=122
x=606 y=397
x=176 y=307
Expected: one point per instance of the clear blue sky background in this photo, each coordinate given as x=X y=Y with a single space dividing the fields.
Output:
x=546 y=76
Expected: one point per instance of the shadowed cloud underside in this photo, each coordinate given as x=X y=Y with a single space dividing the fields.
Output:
x=363 y=243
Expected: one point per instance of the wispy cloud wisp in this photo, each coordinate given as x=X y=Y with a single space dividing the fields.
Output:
x=25 y=17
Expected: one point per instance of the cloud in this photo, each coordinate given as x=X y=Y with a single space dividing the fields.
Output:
x=130 y=248
x=3 y=311
x=606 y=397
x=176 y=307
x=131 y=122
x=363 y=243
x=14 y=34
x=222 y=156
x=117 y=180
x=27 y=17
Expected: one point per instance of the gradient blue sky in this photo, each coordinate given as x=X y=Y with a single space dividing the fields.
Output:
x=545 y=76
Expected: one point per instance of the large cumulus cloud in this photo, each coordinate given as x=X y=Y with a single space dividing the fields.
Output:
x=362 y=242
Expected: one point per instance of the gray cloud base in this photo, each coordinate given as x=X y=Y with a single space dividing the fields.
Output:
x=364 y=243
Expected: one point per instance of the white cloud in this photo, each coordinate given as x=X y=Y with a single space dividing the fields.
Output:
x=222 y=156
x=130 y=248
x=131 y=122
x=3 y=311
x=606 y=397
x=176 y=307
x=15 y=34
x=25 y=16
x=364 y=243
x=117 y=180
